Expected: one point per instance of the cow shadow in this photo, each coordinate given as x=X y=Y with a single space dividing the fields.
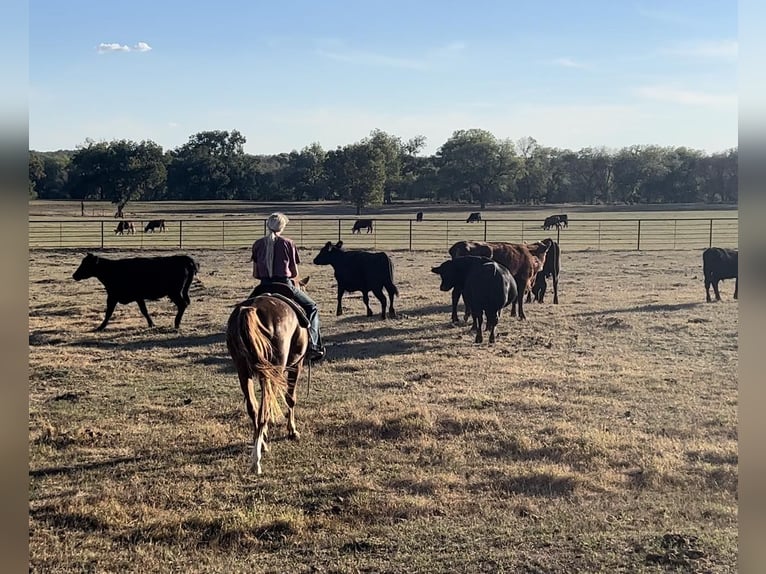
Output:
x=650 y=308
x=180 y=341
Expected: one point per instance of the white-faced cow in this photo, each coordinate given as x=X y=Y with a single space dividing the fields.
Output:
x=719 y=263
x=125 y=227
x=361 y=271
x=551 y=268
x=140 y=279
x=486 y=286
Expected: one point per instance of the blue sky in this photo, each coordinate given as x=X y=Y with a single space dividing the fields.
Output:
x=289 y=73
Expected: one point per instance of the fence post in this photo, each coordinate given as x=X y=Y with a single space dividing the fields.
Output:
x=339 y=229
x=675 y=227
x=301 y=243
x=710 y=238
x=485 y=230
x=410 y=235
x=446 y=239
x=180 y=234
x=638 y=241
x=102 y=235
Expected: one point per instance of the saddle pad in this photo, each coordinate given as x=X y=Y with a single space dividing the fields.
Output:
x=303 y=320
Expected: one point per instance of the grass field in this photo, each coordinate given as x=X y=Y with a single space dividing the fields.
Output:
x=598 y=436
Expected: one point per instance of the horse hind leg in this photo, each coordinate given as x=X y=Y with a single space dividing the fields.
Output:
x=291 y=399
x=261 y=431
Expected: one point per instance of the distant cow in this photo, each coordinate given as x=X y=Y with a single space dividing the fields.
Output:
x=486 y=287
x=419 y=216
x=551 y=268
x=155 y=224
x=141 y=278
x=125 y=227
x=557 y=221
x=719 y=263
x=475 y=217
x=517 y=258
x=360 y=271
x=362 y=224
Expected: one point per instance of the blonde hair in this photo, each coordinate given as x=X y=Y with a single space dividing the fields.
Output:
x=275 y=224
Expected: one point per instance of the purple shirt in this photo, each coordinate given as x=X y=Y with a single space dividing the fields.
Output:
x=286 y=258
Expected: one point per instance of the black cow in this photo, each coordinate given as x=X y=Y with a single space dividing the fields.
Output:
x=141 y=278
x=125 y=227
x=556 y=221
x=155 y=224
x=719 y=263
x=475 y=217
x=419 y=216
x=362 y=224
x=486 y=287
x=360 y=271
x=551 y=268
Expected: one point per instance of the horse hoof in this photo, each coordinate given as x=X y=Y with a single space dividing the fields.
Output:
x=295 y=435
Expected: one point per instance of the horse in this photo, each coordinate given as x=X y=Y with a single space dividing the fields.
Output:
x=268 y=340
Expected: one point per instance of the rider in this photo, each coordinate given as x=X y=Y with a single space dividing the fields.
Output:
x=275 y=260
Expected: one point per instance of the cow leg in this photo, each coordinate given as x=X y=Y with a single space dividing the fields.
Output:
x=715 y=289
x=185 y=288
x=390 y=289
x=144 y=311
x=707 y=289
x=455 y=299
x=366 y=299
x=110 y=305
x=291 y=398
x=492 y=321
x=478 y=321
x=181 y=304
x=339 y=310
x=736 y=286
x=382 y=298
x=555 y=290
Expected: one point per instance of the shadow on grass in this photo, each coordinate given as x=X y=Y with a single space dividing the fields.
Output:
x=102 y=341
x=651 y=308
x=530 y=484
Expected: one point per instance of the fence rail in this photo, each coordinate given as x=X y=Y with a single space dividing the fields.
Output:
x=394 y=234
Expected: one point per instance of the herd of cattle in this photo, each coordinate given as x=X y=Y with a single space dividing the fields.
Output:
x=128 y=227
x=489 y=276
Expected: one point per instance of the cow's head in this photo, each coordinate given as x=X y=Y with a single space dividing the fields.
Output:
x=328 y=253
x=447 y=273
x=87 y=268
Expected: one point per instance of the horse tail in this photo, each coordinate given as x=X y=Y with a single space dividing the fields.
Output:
x=248 y=339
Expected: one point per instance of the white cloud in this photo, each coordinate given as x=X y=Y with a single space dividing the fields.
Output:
x=726 y=49
x=681 y=96
x=338 y=51
x=105 y=48
x=569 y=63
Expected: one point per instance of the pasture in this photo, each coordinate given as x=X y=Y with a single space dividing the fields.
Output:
x=598 y=436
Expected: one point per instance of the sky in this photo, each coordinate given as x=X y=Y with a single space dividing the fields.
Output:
x=285 y=74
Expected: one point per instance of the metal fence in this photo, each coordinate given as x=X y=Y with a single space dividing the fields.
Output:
x=392 y=234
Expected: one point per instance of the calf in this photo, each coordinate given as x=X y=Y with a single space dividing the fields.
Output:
x=125 y=226
x=556 y=221
x=360 y=271
x=474 y=217
x=719 y=263
x=486 y=287
x=517 y=258
x=419 y=216
x=155 y=224
x=141 y=278
x=551 y=268
x=362 y=224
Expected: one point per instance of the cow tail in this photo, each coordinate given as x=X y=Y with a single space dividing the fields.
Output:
x=248 y=340
x=394 y=288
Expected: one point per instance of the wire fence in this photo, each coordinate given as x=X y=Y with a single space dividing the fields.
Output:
x=390 y=234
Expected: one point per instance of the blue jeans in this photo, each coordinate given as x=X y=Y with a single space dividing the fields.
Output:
x=309 y=306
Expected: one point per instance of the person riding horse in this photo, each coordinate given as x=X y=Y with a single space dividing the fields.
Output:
x=275 y=260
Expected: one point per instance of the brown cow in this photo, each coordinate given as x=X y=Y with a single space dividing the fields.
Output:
x=522 y=260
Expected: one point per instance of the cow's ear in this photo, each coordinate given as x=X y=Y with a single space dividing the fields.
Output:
x=339 y=244
x=435 y=270
x=328 y=245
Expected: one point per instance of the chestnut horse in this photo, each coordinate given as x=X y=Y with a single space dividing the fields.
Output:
x=267 y=341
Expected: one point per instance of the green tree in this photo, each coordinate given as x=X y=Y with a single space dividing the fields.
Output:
x=358 y=174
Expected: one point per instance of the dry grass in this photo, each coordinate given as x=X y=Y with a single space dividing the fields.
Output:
x=598 y=436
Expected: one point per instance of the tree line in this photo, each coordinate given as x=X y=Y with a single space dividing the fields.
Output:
x=472 y=166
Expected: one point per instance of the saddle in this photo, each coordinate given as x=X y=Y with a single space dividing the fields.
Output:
x=283 y=293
